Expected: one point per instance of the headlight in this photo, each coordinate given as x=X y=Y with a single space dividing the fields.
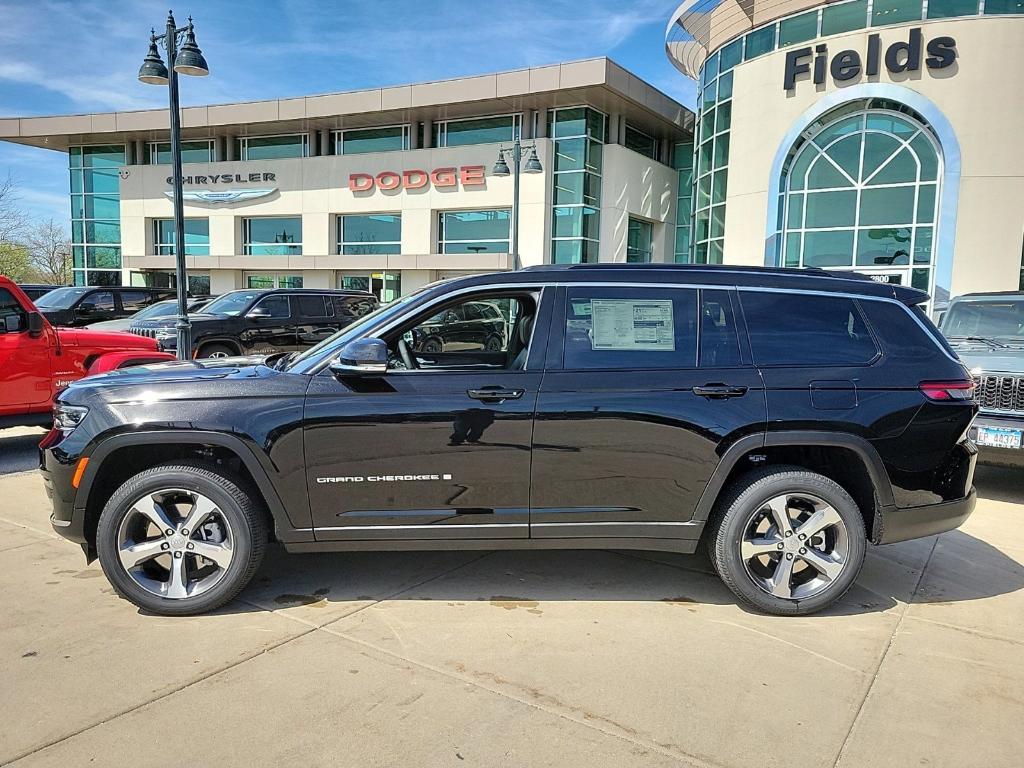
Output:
x=67 y=417
x=167 y=333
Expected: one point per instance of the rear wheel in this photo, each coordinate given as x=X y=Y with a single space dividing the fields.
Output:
x=215 y=350
x=180 y=539
x=788 y=541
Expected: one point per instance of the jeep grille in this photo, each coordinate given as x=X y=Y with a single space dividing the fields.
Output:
x=1000 y=393
x=148 y=332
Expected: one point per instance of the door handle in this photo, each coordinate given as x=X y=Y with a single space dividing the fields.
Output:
x=719 y=391
x=495 y=394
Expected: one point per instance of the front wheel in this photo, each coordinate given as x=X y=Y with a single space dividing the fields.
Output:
x=180 y=539
x=788 y=541
x=215 y=351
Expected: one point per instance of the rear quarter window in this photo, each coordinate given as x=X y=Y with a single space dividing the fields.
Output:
x=806 y=329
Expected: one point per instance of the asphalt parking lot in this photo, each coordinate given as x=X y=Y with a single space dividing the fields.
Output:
x=517 y=659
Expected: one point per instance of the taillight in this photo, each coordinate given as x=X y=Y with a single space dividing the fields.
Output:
x=948 y=390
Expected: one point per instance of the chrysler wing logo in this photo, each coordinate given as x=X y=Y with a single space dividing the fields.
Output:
x=222 y=196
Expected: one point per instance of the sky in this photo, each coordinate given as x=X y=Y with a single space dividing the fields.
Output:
x=83 y=56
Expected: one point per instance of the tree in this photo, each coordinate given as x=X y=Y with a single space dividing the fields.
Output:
x=15 y=262
x=12 y=218
x=50 y=252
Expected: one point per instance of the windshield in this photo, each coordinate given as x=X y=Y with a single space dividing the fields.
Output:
x=160 y=309
x=383 y=312
x=60 y=298
x=231 y=304
x=1002 y=319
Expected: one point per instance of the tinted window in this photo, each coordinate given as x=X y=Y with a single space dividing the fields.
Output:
x=274 y=306
x=985 y=318
x=102 y=301
x=630 y=328
x=719 y=344
x=803 y=329
x=12 y=316
x=314 y=306
x=135 y=300
x=61 y=298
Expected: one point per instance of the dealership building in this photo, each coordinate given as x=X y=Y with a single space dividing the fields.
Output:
x=384 y=189
x=883 y=136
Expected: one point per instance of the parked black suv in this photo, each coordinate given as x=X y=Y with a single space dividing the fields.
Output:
x=82 y=305
x=783 y=418
x=250 y=322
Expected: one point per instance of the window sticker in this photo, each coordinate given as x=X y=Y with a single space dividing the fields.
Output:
x=632 y=324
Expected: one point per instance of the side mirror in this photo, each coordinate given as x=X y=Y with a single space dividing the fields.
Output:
x=86 y=307
x=35 y=325
x=362 y=357
x=259 y=312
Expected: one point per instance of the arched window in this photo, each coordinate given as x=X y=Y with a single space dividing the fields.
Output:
x=860 y=191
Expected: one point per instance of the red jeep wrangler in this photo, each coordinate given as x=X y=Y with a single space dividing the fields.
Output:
x=38 y=360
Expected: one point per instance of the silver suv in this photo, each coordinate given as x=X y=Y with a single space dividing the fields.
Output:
x=987 y=332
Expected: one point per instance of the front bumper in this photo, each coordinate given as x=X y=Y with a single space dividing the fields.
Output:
x=58 y=474
x=1003 y=457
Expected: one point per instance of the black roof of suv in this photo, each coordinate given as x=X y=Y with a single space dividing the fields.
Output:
x=786 y=419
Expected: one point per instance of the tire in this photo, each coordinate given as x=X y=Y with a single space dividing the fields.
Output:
x=432 y=345
x=494 y=344
x=215 y=350
x=774 y=571
x=171 y=493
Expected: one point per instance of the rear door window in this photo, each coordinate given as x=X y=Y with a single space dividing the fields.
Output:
x=314 y=307
x=806 y=329
x=719 y=342
x=630 y=328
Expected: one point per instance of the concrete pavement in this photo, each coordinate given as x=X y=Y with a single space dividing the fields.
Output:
x=518 y=659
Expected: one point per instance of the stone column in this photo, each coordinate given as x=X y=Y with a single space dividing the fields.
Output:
x=613 y=128
x=229 y=142
x=428 y=129
x=326 y=142
x=542 y=124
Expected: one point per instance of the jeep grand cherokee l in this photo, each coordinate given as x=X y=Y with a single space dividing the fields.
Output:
x=783 y=418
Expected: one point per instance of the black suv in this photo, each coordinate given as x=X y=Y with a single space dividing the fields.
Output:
x=783 y=418
x=251 y=322
x=83 y=305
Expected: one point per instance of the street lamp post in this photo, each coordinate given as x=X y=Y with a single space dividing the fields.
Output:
x=188 y=60
x=501 y=169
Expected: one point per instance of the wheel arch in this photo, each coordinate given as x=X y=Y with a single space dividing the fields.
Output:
x=119 y=457
x=848 y=459
x=228 y=341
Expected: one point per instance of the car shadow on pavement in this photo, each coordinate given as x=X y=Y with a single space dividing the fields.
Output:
x=960 y=568
x=1000 y=483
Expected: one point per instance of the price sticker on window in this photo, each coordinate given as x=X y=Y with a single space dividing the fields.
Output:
x=631 y=324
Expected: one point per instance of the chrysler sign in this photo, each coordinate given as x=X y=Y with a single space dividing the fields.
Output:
x=467 y=176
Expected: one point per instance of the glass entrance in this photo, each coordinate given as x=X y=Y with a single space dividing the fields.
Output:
x=386 y=286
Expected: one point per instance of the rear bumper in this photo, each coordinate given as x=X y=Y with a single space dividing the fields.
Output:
x=903 y=523
x=1003 y=457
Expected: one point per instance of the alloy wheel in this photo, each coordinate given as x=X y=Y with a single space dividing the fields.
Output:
x=794 y=546
x=175 y=543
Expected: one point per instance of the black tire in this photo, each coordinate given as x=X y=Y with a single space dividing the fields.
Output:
x=240 y=510
x=494 y=344
x=738 y=508
x=215 y=350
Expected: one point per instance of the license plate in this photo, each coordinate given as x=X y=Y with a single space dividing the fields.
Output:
x=999 y=437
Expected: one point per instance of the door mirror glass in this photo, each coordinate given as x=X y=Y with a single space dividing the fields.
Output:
x=35 y=324
x=362 y=357
x=12 y=324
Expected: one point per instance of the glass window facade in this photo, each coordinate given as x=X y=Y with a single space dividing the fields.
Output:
x=386 y=286
x=640 y=142
x=474 y=231
x=579 y=134
x=682 y=161
x=96 y=213
x=370 y=233
x=197 y=237
x=191 y=152
x=477 y=130
x=272 y=147
x=272 y=236
x=839 y=17
x=639 y=241
x=711 y=161
x=860 y=191
x=361 y=140
x=198 y=282
x=271 y=280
